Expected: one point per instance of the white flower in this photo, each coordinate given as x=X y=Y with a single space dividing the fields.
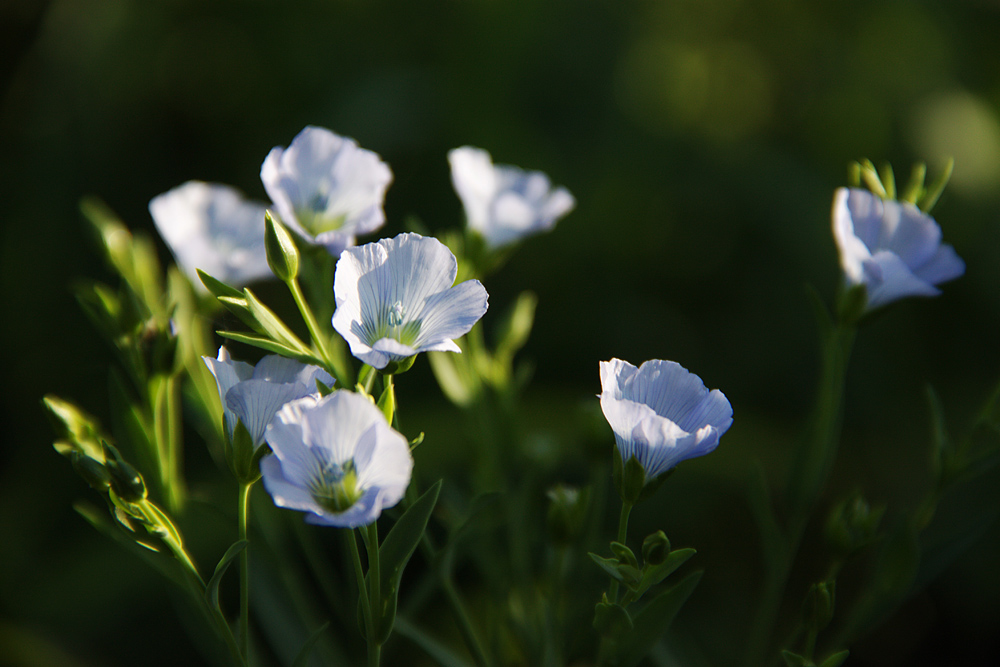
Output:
x=326 y=188
x=893 y=248
x=395 y=299
x=253 y=394
x=504 y=203
x=337 y=459
x=212 y=227
x=661 y=414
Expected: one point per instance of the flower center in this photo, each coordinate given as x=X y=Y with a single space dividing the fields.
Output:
x=393 y=324
x=336 y=488
x=396 y=315
x=314 y=217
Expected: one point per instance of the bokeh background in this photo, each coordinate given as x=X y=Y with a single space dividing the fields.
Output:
x=703 y=140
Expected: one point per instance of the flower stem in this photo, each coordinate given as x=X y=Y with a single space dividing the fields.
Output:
x=366 y=608
x=242 y=512
x=334 y=363
x=374 y=647
x=622 y=532
x=814 y=459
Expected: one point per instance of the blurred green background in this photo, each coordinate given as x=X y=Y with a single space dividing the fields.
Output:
x=703 y=140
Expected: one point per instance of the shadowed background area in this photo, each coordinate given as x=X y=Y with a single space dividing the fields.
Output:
x=703 y=140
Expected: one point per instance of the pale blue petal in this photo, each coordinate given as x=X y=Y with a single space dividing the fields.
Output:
x=384 y=461
x=475 y=182
x=667 y=387
x=888 y=278
x=227 y=374
x=624 y=416
x=853 y=249
x=943 y=266
x=285 y=492
x=286 y=434
x=337 y=422
x=275 y=368
x=256 y=402
x=614 y=374
x=451 y=313
x=909 y=233
x=714 y=409
x=393 y=349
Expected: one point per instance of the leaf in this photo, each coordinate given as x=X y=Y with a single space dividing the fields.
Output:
x=795 y=660
x=265 y=343
x=654 y=620
x=217 y=287
x=771 y=539
x=658 y=573
x=835 y=660
x=396 y=550
x=212 y=590
x=272 y=324
x=609 y=565
x=303 y=657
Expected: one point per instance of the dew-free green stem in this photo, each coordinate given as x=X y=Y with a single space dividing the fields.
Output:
x=366 y=608
x=243 y=508
x=814 y=459
x=374 y=647
x=333 y=362
x=622 y=532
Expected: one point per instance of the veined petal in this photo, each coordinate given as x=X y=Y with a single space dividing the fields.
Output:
x=256 y=401
x=227 y=374
x=285 y=492
x=943 y=266
x=888 y=279
x=275 y=368
x=385 y=463
x=452 y=313
x=475 y=182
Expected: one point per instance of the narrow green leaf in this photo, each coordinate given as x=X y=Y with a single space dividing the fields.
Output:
x=271 y=323
x=939 y=432
x=795 y=660
x=763 y=513
x=396 y=550
x=888 y=180
x=217 y=287
x=265 y=343
x=212 y=590
x=658 y=573
x=654 y=620
x=609 y=565
x=836 y=660
x=915 y=186
x=935 y=189
x=302 y=659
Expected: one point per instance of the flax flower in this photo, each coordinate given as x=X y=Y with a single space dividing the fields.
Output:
x=395 y=299
x=337 y=459
x=661 y=413
x=212 y=227
x=503 y=203
x=326 y=188
x=892 y=248
x=253 y=394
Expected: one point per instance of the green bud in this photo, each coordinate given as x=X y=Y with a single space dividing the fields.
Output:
x=92 y=471
x=611 y=619
x=817 y=609
x=282 y=254
x=126 y=481
x=387 y=402
x=241 y=456
x=624 y=555
x=566 y=515
x=852 y=525
x=655 y=548
x=159 y=347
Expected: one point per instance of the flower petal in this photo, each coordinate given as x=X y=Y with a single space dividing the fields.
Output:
x=227 y=374
x=452 y=313
x=943 y=266
x=256 y=402
x=888 y=279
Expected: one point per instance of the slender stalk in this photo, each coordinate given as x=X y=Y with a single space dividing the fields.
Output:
x=374 y=575
x=366 y=608
x=814 y=460
x=175 y=427
x=333 y=362
x=622 y=532
x=243 y=508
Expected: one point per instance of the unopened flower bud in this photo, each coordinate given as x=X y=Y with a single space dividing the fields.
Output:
x=566 y=512
x=126 y=481
x=92 y=471
x=655 y=548
x=282 y=254
x=817 y=609
x=852 y=524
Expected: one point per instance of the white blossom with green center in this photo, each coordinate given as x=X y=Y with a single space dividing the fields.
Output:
x=326 y=188
x=336 y=459
x=395 y=298
x=212 y=227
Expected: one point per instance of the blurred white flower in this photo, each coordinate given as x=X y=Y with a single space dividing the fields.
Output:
x=395 y=298
x=337 y=459
x=253 y=394
x=212 y=227
x=326 y=188
x=503 y=203
x=661 y=414
x=893 y=248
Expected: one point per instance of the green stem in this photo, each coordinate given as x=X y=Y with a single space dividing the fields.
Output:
x=622 y=532
x=175 y=490
x=374 y=647
x=814 y=460
x=366 y=608
x=334 y=362
x=243 y=504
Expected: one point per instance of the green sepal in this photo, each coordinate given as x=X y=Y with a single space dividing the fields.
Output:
x=611 y=619
x=888 y=179
x=212 y=589
x=935 y=189
x=836 y=659
x=416 y=442
x=270 y=345
x=650 y=624
x=851 y=303
x=387 y=402
x=652 y=485
x=915 y=186
x=242 y=456
x=395 y=552
x=624 y=555
x=91 y=470
x=819 y=603
x=73 y=424
x=609 y=565
x=629 y=478
x=871 y=179
x=516 y=327
x=397 y=367
x=322 y=388
x=282 y=254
